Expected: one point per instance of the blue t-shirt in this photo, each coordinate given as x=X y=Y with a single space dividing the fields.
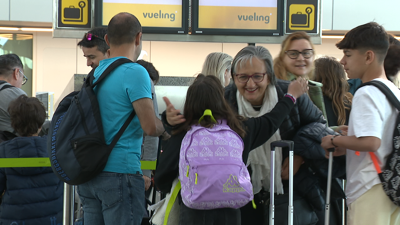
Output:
x=124 y=85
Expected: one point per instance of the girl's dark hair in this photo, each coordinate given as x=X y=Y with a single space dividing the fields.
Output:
x=27 y=115
x=331 y=74
x=392 y=59
x=206 y=92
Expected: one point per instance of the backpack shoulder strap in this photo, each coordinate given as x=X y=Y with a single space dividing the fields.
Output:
x=122 y=130
x=106 y=72
x=386 y=91
x=393 y=101
x=4 y=86
x=171 y=201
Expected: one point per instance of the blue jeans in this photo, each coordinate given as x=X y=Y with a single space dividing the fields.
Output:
x=113 y=198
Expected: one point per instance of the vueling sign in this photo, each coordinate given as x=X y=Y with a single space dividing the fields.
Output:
x=159 y=15
x=149 y=15
x=216 y=17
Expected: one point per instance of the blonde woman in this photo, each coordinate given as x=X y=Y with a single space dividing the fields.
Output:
x=219 y=65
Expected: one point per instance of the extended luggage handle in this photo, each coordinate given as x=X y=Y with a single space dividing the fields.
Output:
x=282 y=144
x=328 y=187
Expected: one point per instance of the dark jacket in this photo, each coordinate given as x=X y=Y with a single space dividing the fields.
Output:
x=308 y=144
x=32 y=195
x=258 y=131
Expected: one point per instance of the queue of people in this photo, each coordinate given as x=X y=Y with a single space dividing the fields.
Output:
x=258 y=99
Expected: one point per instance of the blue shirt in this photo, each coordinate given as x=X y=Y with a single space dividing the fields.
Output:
x=124 y=85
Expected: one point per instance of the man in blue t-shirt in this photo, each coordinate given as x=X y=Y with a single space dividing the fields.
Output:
x=116 y=196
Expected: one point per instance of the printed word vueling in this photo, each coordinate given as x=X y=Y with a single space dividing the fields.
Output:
x=254 y=17
x=160 y=15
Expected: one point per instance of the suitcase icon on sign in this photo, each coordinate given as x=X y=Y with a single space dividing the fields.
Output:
x=72 y=14
x=301 y=20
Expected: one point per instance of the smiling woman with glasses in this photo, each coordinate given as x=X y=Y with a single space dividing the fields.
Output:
x=296 y=57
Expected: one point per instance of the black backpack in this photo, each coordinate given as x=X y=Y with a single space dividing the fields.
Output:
x=76 y=145
x=390 y=175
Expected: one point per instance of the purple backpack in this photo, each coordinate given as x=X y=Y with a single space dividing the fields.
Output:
x=211 y=169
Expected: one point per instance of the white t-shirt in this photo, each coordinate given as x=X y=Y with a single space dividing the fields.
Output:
x=371 y=115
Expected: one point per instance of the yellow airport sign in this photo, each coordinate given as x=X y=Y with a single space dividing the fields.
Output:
x=74 y=13
x=302 y=17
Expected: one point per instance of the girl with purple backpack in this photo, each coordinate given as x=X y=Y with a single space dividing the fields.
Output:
x=206 y=93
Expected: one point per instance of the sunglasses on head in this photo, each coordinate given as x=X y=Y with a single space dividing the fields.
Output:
x=90 y=36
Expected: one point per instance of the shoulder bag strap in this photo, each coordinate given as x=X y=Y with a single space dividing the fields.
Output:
x=171 y=201
x=4 y=86
x=122 y=130
x=393 y=101
x=386 y=91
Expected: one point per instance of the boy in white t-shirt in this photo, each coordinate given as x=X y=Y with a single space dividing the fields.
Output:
x=371 y=125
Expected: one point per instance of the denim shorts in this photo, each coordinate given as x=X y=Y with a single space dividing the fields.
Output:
x=113 y=198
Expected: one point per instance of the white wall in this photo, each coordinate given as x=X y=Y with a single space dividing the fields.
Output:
x=342 y=15
x=4 y=9
x=31 y=10
x=327 y=14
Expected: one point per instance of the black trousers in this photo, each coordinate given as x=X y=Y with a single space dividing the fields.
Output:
x=225 y=216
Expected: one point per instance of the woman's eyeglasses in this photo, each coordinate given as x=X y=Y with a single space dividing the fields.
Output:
x=244 y=78
x=90 y=36
x=294 y=54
